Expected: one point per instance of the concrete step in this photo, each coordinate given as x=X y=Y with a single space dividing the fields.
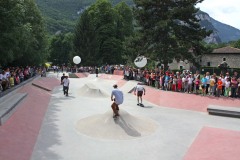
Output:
x=224 y=111
x=8 y=106
x=41 y=86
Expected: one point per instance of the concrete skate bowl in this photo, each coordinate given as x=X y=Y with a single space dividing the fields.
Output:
x=92 y=91
x=125 y=127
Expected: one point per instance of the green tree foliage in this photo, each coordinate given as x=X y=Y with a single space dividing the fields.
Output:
x=236 y=44
x=62 y=15
x=101 y=31
x=61 y=49
x=170 y=29
x=22 y=40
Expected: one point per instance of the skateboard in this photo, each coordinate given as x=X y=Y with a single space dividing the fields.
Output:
x=140 y=104
x=115 y=117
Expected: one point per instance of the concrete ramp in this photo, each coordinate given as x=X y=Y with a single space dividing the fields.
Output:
x=8 y=106
x=90 y=90
x=125 y=127
x=41 y=86
x=129 y=86
x=224 y=111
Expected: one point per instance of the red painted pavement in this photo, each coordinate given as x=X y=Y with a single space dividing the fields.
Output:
x=179 y=100
x=186 y=101
x=215 y=144
x=19 y=133
x=82 y=75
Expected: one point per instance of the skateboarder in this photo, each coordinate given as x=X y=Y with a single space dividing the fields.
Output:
x=140 y=91
x=66 y=83
x=117 y=97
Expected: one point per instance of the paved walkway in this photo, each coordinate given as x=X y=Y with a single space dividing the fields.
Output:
x=175 y=126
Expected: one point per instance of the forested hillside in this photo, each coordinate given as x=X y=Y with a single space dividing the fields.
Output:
x=61 y=15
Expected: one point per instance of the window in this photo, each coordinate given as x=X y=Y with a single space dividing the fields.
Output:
x=208 y=64
x=224 y=59
x=181 y=67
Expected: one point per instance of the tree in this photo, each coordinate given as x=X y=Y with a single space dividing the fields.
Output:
x=237 y=44
x=170 y=29
x=101 y=31
x=23 y=37
x=61 y=49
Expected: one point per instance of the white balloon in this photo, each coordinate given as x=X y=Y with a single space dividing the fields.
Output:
x=76 y=59
x=140 y=61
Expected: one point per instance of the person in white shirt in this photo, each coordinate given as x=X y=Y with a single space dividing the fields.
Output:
x=66 y=83
x=140 y=91
x=117 y=98
x=227 y=87
x=190 y=81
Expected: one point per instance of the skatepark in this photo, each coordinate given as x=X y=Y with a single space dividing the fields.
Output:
x=46 y=125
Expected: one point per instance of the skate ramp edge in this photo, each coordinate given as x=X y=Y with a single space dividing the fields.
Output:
x=125 y=127
x=90 y=90
x=224 y=111
x=9 y=105
x=41 y=86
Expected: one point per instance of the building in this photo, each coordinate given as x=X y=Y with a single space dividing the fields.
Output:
x=180 y=65
x=228 y=54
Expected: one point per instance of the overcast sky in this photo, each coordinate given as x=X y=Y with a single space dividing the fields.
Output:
x=225 y=11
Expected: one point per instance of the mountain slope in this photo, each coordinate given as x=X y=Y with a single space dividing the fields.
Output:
x=61 y=15
x=226 y=32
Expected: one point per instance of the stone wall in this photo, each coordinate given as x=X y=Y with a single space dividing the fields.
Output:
x=233 y=60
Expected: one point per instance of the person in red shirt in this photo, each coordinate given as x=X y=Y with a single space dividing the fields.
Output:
x=219 y=87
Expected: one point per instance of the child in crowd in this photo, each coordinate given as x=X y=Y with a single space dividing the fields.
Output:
x=204 y=84
x=11 y=80
x=223 y=85
x=185 y=89
x=179 y=84
x=197 y=83
x=211 y=85
x=174 y=84
x=166 y=82
x=219 y=87
x=190 y=81
x=227 y=87
x=238 y=90
x=233 y=87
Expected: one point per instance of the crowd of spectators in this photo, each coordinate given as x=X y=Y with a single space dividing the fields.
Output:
x=188 y=82
x=12 y=76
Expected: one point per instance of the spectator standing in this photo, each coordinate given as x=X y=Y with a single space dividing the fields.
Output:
x=204 y=84
x=197 y=84
x=233 y=87
x=190 y=81
x=219 y=87
x=223 y=85
x=227 y=87
x=211 y=85
x=208 y=77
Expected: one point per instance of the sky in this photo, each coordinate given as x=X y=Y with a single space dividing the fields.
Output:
x=225 y=11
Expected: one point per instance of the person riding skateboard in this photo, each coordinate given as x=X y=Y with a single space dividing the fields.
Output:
x=140 y=91
x=117 y=98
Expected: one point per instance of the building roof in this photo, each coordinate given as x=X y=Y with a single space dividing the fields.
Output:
x=227 y=49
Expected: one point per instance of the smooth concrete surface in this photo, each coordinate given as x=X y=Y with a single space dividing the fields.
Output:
x=175 y=130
